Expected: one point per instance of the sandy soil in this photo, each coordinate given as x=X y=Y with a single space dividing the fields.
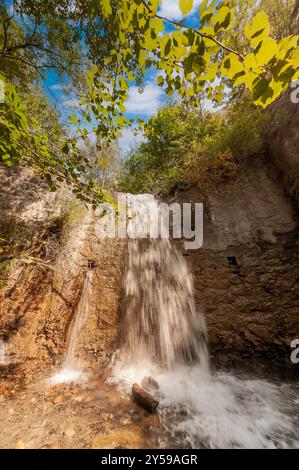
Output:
x=87 y=415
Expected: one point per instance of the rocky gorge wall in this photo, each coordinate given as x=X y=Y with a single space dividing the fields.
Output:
x=246 y=273
x=39 y=301
x=282 y=141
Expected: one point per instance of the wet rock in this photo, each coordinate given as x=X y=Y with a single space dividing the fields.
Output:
x=150 y=384
x=136 y=419
x=144 y=399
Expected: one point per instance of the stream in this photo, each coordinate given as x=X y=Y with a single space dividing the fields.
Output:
x=163 y=336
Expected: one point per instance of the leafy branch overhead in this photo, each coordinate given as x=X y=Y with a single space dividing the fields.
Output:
x=191 y=58
x=121 y=39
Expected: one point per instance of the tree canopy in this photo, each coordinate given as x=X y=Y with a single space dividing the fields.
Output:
x=186 y=147
x=113 y=43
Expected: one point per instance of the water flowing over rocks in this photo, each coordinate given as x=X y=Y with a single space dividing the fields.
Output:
x=176 y=318
x=38 y=305
x=149 y=384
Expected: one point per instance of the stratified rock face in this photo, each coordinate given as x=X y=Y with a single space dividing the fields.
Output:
x=24 y=195
x=37 y=307
x=38 y=304
x=246 y=273
x=282 y=139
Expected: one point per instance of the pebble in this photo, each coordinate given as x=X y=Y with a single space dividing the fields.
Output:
x=69 y=431
x=58 y=400
x=20 y=445
x=136 y=418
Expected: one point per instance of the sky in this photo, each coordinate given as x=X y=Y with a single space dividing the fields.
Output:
x=144 y=104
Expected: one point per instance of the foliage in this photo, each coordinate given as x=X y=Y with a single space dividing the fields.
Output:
x=29 y=244
x=5 y=266
x=104 y=161
x=123 y=39
x=189 y=59
x=37 y=36
x=30 y=130
x=15 y=235
x=284 y=19
x=283 y=23
x=23 y=139
x=184 y=147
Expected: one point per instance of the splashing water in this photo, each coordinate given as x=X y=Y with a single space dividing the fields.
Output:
x=79 y=320
x=164 y=337
x=71 y=371
x=161 y=323
x=2 y=353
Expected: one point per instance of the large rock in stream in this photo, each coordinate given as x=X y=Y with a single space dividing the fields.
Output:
x=144 y=399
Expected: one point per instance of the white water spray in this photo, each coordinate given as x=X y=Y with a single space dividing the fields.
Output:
x=164 y=337
x=161 y=323
x=71 y=370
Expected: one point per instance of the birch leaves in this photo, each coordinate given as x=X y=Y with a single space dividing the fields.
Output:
x=189 y=59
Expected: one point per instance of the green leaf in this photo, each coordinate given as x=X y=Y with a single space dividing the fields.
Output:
x=266 y=51
x=261 y=85
x=73 y=119
x=259 y=29
x=186 y=6
x=65 y=149
x=106 y=7
x=160 y=80
x=142 y=57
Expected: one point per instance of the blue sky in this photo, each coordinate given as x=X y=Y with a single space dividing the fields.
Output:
x=143 y=105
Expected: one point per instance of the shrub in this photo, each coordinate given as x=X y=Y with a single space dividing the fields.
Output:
x=184 y=147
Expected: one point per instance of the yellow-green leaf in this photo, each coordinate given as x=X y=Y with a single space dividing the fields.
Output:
x=106 y=7
x=160 y=80
x=186 y=6
x=259 y=29
x=266 y=52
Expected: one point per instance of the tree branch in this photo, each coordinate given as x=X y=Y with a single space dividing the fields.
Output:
x=195 y=31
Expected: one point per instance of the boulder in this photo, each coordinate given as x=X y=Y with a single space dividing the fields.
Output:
x=144 y=399
x=149 y=384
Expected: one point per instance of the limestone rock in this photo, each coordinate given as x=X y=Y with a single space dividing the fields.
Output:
x=149 y=384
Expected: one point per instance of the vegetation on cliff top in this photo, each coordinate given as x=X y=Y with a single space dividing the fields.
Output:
x=113 y=44
x=185 y=146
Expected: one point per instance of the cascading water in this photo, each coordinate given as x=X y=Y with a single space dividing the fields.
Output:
x=161 y=323
x=165 y=337
x=71 y=370
x=79 y=321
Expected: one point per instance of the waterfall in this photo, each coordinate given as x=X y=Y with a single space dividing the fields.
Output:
x=79 y=321
x=71 y=370
x=2 y=353
x=161 y=323
x=165 y=337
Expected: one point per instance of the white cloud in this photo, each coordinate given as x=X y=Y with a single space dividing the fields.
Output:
x=147 y=102
x=128 y=140
x=170 y=9
x=71 y=103
x=58 y=86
